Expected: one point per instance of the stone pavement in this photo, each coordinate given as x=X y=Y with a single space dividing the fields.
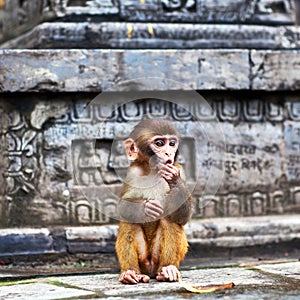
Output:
x=223 y=235
x=253 y=280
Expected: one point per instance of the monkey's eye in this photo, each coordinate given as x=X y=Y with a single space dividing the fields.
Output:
x=159 y=143
x=172 y=143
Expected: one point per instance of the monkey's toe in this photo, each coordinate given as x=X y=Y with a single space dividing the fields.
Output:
x=168 y=273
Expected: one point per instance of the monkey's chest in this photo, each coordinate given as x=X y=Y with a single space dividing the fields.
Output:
x=148 y=187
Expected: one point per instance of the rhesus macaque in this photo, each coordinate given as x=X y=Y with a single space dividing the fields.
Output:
x=154 y=206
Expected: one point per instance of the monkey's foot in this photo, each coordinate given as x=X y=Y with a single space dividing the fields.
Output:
x=131 y=277
x=168 y=273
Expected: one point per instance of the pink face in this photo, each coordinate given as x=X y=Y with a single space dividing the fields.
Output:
x=165 y=148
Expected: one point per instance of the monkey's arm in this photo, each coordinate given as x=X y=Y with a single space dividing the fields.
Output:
x=179 y=204
x=139 y=211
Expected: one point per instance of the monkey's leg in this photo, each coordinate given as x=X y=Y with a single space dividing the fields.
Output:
x=131 y=250
x=173 y=247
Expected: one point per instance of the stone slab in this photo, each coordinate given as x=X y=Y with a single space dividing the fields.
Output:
x=98 y=70
x=5 y=275
x=100 y=239
x=25 y=241
x=290 y=270
x=109 y=285
x=243 y=232
x=129 y=35
x=91 y=233
x=275 y=70
x=41 y=291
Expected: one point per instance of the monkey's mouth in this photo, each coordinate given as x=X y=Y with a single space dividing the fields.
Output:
x=169 y=161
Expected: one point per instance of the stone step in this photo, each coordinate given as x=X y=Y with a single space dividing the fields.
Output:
x=17 y=18
x=128 y=35
x=213 y=234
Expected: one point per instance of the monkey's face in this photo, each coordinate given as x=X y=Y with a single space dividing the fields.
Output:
x=163 y=149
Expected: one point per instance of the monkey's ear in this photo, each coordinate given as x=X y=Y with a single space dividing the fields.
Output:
x=131 y=149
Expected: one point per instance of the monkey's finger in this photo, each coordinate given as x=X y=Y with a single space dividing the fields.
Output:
x=171 y=168
x=173 y=173
x=165 y=273
x=171 y=272
x=175 y=273
x=152 y=214
x=129 y=276
x=153 y=208
x=144 y=278
x=167 y=177
x=154 y=205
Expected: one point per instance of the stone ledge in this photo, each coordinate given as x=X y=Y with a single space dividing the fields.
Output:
x=243 y=232
x=27 y=242
x=223 y=233
x=128 y=35
x=100 y=70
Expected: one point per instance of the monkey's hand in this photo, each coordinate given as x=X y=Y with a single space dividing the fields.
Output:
x=168 y=273
x=153 y=209
x=171 y=174
x=131 y=277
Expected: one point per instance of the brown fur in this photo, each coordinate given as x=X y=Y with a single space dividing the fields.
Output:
x=148 y=247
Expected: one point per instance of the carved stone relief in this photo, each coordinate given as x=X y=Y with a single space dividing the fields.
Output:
x=95 y=6
x=22 y=160
x=292 y=140
x=262 y=11
x=68 y=166
x=17 y=17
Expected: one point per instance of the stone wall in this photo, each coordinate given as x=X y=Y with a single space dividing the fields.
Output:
x=61 y=167
x=61 y=162
x=18 y=17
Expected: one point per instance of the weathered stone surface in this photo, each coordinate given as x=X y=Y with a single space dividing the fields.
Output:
x=217 y=233
x=26 y=241
x=249 y=284
x=66 y=164
x=241 y=11
x=275 y=70
x=44 y=111
x=127 y=35
x=43 y=291
x=91 y=239
x=292 y=140
x=97 y=70
x=291 y=270
x=99 y=283
x=91 y=233
x=245 y=232
x=252 y=155
x=18 y=17
x=92 y=7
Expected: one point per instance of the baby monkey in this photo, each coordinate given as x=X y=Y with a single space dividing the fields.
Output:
x=155 y=205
